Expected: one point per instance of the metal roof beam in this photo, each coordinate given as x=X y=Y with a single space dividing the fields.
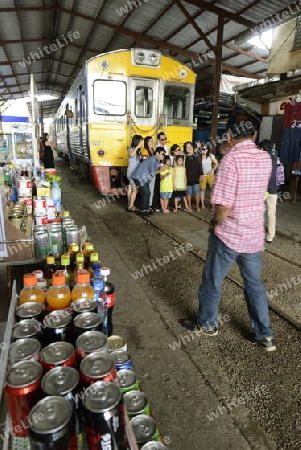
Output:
x=194 y=24
x=222 y=12
x=245 y=52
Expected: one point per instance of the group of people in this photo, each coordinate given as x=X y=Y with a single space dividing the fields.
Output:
x=161 y=177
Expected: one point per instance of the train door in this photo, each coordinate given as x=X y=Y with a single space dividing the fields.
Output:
x=144 y=107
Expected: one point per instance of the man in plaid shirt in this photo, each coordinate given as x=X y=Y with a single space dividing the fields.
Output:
x=237 y=231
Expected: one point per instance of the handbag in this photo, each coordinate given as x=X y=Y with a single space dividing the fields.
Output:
x=212 y=162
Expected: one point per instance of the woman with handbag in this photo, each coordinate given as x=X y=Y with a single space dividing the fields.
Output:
x=209 y=164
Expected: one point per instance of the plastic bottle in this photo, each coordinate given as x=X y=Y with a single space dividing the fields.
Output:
x=83 y=288
x=74 y=249
x=93 y=259
x=24 y=171
x=6 y=175
x=49 y=269
x=79 y=264
x=65 y=267
x=56 y=196
x=58 y=295
x=31 y=292
x=109 y=291
x=87 y=250
x=43 y=176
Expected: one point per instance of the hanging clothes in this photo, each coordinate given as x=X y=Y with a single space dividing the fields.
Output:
x=292 y=111
x=290 y=150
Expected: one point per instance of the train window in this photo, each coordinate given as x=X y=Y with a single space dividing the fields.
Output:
x=143 y=101
x=109 y=97
x=176 y=102
x=76 y=112
x=83 y=107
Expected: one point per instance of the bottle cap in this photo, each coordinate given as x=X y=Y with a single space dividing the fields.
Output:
x=74 y=247
x=55 y=184
x=94 y=257
x=58 y=278
x=89 y=247
x=97 y=273
x=50 y=259
x=105 y=271
x=29 y=279
x=66 y=213
x=83 y=276
x=38 y=273
x=79 y=257
x=65 y=260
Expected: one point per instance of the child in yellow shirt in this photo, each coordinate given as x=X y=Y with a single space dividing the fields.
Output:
x=166 y=185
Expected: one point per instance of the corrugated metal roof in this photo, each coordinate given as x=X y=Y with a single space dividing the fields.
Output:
x=176 y=27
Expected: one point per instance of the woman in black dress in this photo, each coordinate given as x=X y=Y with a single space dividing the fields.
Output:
x=48 y=159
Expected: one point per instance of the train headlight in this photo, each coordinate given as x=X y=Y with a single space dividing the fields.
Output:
x=104 y=65
x=153 y=58
x=183 y=73
x=101 y=152
x=140 y=57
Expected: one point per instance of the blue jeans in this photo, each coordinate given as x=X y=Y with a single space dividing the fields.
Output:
x=219 y=261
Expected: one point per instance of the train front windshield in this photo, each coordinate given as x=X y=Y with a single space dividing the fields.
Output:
x=176 y=102
x=109 y=97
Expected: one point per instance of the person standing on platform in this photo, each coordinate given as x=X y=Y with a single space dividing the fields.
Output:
x=48 y=159
x=143 y=175
x=133 y=162
x=194 y=173
x=237 y=232
x=161 y=141
x=271 y=193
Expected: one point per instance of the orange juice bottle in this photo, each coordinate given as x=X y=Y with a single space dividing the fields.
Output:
x=31 y=292
x=58 y=295
x=82 y=289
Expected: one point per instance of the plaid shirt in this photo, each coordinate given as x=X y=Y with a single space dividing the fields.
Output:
x=240 y=184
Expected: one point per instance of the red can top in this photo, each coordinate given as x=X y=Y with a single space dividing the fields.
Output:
x=29 y=279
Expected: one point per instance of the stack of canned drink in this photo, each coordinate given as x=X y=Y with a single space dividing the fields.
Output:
x=68 y=387
x=55 y=238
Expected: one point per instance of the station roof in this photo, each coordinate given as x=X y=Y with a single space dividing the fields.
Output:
x=53 y=38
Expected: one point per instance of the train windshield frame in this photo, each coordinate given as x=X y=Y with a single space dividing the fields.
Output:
x=109 y=97
x=177 y=101
x=144 y=99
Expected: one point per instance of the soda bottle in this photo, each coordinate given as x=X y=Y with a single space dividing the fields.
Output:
x=31 y=292
x=83 y=288
x=58 y=295
x=109 y=291
x=49 y=269
x=65 y=267
x=102 y=308
x=24 y=171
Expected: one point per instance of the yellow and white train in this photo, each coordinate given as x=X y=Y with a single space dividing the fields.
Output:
x=115 y=96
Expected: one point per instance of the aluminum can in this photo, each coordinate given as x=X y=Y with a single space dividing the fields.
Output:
x=56 y=242
x=40 y=220
x=154 y=445
x=58 y=354
x=57 y=327
x=103 y=417
x=24 y=187
x=97 y=366
x=22 y=391
x=28 y=202
x=117 y=343
x=24 y=349
x=72 y=235
x=63 y=381
x=28 y=328
x=83 y=305
x=30 y=310
x=42 y=243
x=135 y=402
x=40 y=206
x=128 y=380
x=145 y=429
x=122 y=360
x=90 y=342
x=51 y=425
x=88 y=321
